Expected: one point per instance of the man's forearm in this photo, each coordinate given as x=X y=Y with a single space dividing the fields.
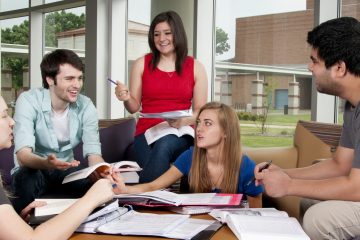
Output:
x=321 y=170
x=32 y=160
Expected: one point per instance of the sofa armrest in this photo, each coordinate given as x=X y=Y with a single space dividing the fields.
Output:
x=284 y=157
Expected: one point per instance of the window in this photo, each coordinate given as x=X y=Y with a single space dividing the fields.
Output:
x=261 y=66
x=14 y=58
x=66 y=29
x=8 y=5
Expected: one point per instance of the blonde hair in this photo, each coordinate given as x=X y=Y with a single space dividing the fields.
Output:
x=231 y=153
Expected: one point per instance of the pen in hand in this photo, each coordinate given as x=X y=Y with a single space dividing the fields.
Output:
x=266 y=166
x=112 y=81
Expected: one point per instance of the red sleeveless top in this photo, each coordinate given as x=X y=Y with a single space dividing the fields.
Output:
x=165 y=91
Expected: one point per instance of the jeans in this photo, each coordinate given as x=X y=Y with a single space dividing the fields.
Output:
x=156 y=158
x=28 y=184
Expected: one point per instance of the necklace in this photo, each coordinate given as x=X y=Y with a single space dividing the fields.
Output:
x=216 y=184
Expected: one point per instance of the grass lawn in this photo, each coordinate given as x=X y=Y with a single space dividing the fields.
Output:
x=265 y=141
x=274 y=137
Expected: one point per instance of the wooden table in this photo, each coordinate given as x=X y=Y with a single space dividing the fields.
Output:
x=223 y=233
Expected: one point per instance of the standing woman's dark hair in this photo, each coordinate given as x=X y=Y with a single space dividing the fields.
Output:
x=179 y=35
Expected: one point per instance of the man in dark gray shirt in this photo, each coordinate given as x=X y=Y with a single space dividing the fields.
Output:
x=335 y=64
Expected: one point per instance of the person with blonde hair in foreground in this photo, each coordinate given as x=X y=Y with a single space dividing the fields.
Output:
x=216 y=162
x=60 y=227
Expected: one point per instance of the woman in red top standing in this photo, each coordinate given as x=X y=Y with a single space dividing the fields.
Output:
x=164 y=80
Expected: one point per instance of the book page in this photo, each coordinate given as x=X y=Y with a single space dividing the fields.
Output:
x=270 y=228
x=130 y=177
x=220 y=214
x=83 y=173
x=162 y=129
x=53 y=206
x=159 y=195
x=126 y=166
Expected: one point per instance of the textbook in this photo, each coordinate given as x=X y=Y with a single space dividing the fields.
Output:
x=162 y=129
x=260 y=223
x=161 y=198
x=168 y=115
x=127 y=169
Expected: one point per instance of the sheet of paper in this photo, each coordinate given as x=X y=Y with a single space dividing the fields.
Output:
x=134 y=223
x=189 y=228
x=168 y=115
x=90 y=226
x=197 y=198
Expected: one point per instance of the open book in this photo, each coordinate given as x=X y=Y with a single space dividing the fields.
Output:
x=166 y=198
x=126 y=168
x=168 y=115
x=162 y=129
x=260 y=223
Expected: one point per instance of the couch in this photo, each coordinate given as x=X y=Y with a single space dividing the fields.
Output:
x=312 y=141
x=116 y=137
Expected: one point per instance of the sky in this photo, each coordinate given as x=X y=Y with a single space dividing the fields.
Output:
x=226 y=13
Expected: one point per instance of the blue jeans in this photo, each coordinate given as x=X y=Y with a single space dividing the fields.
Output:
x=156 y=158
x=28 y=184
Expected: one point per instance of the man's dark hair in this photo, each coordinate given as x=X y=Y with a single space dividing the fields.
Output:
x=338 y=40
x=50 y=65
x=179 y=39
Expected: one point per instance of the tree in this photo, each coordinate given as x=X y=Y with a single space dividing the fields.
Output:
x=60 y=22
x=54 y=23
x=222 y=45
x=269 y=87
x=18 y=34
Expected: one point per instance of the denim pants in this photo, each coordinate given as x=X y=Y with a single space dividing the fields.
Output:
x=155 y=159
x=28 y=184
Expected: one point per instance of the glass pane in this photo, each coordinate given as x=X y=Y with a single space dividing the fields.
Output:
x=349 y=8
x=261 y=66
x=14 y=58
x=66 y=29
x=8 y=5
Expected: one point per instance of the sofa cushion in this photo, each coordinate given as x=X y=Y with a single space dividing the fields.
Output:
x=116 y=137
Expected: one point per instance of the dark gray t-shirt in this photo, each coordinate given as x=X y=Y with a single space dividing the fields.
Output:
x=350 y=135
x=3 y=198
